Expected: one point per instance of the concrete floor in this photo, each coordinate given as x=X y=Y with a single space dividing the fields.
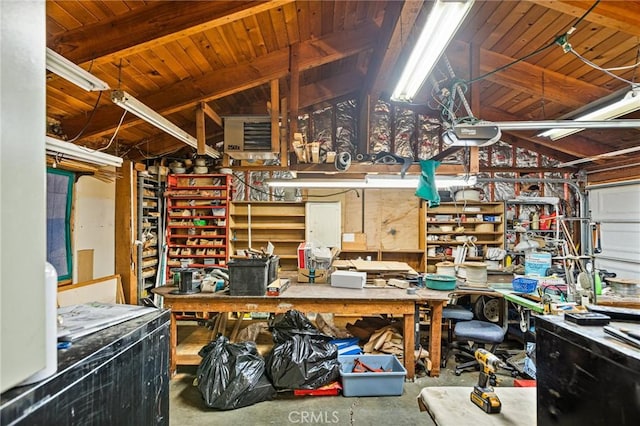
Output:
x=187 y=406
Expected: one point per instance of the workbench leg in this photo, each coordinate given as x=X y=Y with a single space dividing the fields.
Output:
x=435 y=336
x=236 y=327
x=409 y=345
x=173 y=336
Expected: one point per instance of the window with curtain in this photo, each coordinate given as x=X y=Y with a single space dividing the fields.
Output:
x=59 y=199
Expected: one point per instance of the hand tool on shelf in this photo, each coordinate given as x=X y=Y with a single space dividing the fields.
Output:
x=483 y=395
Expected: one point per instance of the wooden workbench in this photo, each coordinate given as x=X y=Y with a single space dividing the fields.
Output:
x=322 y=298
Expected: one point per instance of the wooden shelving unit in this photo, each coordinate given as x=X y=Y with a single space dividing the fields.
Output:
x=197 y=220
x=149 y=233
x=484 y=221
x=257 y=223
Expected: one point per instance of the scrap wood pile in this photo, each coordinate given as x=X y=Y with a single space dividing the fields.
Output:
x=378 y=270
x=384 y=336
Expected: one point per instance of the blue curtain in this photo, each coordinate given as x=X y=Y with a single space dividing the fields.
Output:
x=59 y=198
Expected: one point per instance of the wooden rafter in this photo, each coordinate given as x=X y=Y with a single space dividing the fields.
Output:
x=151 y=26
x=559 y=88
x=186 y=93
x=617 y=15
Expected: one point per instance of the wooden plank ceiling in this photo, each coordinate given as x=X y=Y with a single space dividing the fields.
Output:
x=172 y=55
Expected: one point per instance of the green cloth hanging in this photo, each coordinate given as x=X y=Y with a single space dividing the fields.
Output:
x=427 y=189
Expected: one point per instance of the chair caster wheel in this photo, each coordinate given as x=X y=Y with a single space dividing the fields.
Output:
x=457 y=373
x=514 y=374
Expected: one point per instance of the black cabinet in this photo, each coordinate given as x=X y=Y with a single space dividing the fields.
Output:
x=117 y=376
x=584 y=376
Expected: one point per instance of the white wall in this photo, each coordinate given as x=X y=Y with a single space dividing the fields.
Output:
x=22 y=190
x=617 y=208
x=93 y=227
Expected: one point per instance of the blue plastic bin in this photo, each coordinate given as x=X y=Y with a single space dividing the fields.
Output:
x=524 y=285
x=388 y=383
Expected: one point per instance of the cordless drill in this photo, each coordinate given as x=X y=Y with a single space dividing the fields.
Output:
x=483 y=395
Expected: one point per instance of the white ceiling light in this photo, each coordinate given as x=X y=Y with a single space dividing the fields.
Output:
x=629 y=103
x=316 y=183
x=57 y=147
x=397 y=181
x=371 y=182
x=442 y=23
x=66 y=69
x=134 y=106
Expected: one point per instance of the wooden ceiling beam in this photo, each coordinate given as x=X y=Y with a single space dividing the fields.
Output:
x=211 y=114
x=528 y=78
x=320 y=91
x=200 y=130
x=617 y=15
x=398 y=17
x=382 y=61
x=330 y=88
x=519 y=142
x=151 y=26
x=184 y=94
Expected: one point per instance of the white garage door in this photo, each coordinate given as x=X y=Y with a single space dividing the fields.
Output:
x=617 y=208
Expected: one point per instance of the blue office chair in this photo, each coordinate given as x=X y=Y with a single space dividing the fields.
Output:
x=451 y=314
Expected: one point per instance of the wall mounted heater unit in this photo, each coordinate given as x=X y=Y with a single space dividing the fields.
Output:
x=248 y=138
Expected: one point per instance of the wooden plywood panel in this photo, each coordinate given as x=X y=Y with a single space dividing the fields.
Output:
x=105 y=289
x=85 y=265
x=352 y=212
x=392 y=219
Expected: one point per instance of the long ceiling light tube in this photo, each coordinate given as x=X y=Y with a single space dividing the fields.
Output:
x=72 y=151
x=442 y=23
x=372 y=182
x=137 y=108
x=568 y=124
x=629 y=103
x=316 y=183
x=71 y=72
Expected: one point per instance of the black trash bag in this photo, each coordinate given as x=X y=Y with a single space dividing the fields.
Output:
x=302 y=357
x=284 y=326
x=232 y=375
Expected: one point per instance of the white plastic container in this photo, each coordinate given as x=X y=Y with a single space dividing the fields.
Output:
x=348 y=279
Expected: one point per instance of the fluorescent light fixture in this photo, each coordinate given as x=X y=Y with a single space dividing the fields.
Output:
x=56 y=147
x=66 y=69
x=391 y=181
x=397 y=181
x=449 y=181
x=371 y=182
x=600 y=156
x=629 y=103
x=442 y=23
x=135 y=107
x=316 y=183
